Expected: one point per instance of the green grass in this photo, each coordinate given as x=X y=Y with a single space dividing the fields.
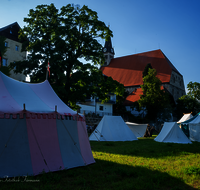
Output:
x=142 y=164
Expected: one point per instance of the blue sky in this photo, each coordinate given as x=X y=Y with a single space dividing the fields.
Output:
x=138 y=26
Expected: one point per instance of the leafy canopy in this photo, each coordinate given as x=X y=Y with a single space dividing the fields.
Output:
x=154 y=99
x=190 y=102
x=194 y=90
x=187 y=104
x=146 y=70
x=68 y=39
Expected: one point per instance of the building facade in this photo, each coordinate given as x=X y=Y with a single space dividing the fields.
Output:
x=14 y=47
x=95 y=106
x=128 y=70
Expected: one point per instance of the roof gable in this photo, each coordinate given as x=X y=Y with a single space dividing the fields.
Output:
x=128 y=69
x=11 y=31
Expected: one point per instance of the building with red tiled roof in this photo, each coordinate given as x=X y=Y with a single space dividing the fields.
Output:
x=128 y=70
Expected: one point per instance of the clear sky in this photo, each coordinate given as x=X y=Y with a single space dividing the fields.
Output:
x=138 y=26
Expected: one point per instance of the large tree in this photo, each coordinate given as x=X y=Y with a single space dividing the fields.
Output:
x=190 y=102
x=187 y=104
x=69 y=39
x=194 y=90
x=154 y=99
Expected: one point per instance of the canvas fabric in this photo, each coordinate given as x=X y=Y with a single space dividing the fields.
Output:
x=137 y=129
x=171 y=133
x=38 y=132
x=185 y=117
x=191 y=128
x=112 y=128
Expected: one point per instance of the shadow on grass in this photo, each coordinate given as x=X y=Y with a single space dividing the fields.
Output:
x=103 y=175
x=145 y=148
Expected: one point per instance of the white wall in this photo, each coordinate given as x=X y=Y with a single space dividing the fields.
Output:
x=12 y=55
x=107 y=109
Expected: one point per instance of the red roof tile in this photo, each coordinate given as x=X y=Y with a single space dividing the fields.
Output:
x=133 y=97
x=128 y=69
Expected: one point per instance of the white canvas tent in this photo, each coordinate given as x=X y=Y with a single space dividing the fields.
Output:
x=185 y=118
x=192 y=126
x=172 y=133
x=138 y=129
x=194 y=131
x=112 y=128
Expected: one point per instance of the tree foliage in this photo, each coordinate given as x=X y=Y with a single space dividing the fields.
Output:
x=4 y=69
x=194 y=90
x=187 y=104
x=146 y=70
x=190 y=102
x=154 y=99
x=68 y=39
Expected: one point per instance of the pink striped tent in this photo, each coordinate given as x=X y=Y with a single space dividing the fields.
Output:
x=38 y=132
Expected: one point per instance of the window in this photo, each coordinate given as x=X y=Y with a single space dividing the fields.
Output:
x=101 y=108
x=17 y=48
x=6 y=44
x=5 y=62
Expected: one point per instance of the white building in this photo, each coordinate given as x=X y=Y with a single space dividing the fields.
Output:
x=95 y=106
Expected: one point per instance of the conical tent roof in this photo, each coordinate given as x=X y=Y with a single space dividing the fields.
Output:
x=172 y=133
x=38 y=98
x=112 y=128
x=195 y=119
x=185 y=117
x=38 y=138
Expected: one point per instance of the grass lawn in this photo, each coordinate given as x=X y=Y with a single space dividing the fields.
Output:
x=142 y=164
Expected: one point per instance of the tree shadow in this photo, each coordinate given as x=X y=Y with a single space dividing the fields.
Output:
x=147 y=148
x=103 y=175
x=116 y=176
